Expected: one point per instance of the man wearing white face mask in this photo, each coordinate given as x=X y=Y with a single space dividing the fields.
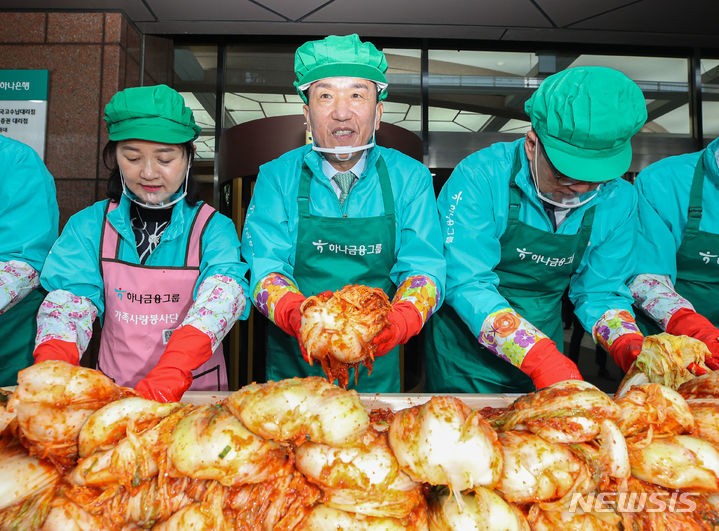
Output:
x=343 y=211
x=525 y=220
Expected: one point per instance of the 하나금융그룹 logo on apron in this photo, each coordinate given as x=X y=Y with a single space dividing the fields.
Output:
x=147 y=298
x=351 y=250
x=546 y=260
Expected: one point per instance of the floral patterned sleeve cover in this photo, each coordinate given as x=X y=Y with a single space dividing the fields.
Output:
x=66 y=317
x=612 y=325
x=219 y=303
x=270 y=290
x=655 y=294
x=17 y=279
x=509 y=335
x=420 y=291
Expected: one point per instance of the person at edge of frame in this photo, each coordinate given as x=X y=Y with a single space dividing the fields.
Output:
x=28 y=228
x=676 y=283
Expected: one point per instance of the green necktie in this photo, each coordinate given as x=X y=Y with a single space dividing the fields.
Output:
x=344 y=181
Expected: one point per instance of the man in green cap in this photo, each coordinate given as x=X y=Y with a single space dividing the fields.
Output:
x=343 y=211
x=523 y=221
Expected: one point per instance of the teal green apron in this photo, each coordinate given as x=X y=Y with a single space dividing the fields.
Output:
x=697 y=262
x=17 y=330
x=331 y=253
x=534 y=271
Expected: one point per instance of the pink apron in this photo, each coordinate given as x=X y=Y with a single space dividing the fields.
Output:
x=144 y=304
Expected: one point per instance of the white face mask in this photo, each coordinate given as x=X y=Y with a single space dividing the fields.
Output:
x=571 y=202
x=155 y=206
x=342 y=150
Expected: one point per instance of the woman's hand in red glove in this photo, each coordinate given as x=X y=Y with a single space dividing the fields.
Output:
x=187 y=349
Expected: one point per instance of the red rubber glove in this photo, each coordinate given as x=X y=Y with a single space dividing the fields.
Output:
x=686 y=322
x=187 y=349
x=545 y=365
x=405 y=321
x=57 y=349
x=625 y=349
x=289 y=317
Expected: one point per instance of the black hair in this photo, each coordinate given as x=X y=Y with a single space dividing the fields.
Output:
x=114 y=184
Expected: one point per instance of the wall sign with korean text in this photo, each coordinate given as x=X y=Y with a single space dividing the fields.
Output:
x=23 y=107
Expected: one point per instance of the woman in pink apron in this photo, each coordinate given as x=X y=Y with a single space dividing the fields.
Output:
x=159 y=268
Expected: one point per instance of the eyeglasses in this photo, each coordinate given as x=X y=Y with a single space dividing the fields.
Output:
x=562 y=179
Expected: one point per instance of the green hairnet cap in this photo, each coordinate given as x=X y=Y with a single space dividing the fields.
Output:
x=585 y=118
x=335 y=56
x=156 y=113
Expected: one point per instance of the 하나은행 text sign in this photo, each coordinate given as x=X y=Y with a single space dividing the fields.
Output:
x=23 y=107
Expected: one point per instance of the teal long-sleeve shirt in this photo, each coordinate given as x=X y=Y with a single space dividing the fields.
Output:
x=28 y=207
x=473 y=207
x=663 y=189
x=73 y=263
x=270 y=234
